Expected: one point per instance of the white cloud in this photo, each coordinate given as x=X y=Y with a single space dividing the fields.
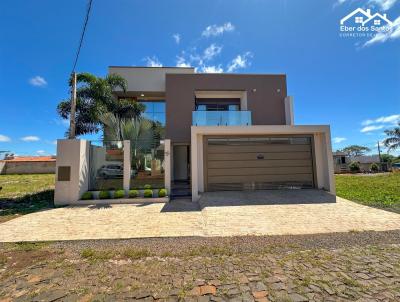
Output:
x=4 y=139
x=211 y=69
x=177 y=38
x=383 y=4
x=338 y=140
x=390 y=119
x=241 y=61
x=30 y=138
x=216 y=30
x=371 y=128
x=153 y=62
x=381 y=37
x=211 y=51
x=38 y=81
x=181 y=62
x=41 y=152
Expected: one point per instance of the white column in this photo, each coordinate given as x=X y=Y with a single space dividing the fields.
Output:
x=167 y=164
x=289 y=117
x=194 y=166
x=127 y=165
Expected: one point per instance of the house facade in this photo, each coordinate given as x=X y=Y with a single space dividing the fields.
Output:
x=223 y=132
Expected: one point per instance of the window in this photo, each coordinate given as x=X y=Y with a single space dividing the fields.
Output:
x=377 y=22
x=155 y=111
x=359 y=19
x=223 y=104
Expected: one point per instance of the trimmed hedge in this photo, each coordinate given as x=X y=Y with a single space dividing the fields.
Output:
x=104 y=195
x=87 y=196
x=119 y=194
x=162 y=193
x=148 y=193
x=133 y=193
x=147 y=187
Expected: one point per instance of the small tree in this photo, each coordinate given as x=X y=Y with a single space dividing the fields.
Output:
x=393 y=141
x=354 y=167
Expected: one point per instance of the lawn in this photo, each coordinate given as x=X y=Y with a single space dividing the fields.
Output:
x=23 y=194
x=382 y=191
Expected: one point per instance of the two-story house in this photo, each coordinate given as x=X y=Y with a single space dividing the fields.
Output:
x=200 y=132
x=231 y=131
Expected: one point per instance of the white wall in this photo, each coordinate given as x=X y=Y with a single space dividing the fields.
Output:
x=75 y=154
x=146 y=79
x=322 y=149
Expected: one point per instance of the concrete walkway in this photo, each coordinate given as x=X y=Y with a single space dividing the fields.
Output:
x=217 y=214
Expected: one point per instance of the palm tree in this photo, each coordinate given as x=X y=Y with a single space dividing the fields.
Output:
x=95 y=96
x=393 y=141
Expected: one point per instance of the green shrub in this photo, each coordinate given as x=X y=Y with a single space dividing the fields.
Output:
x=374 y=167
x=87 y=196
x=119 y=194
x=148 y=193
x=147 y=187
x=162 y=193
x=104 y=195
x=133 y=193
x=354 y=166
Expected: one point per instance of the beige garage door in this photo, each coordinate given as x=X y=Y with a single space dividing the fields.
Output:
x=258 y=163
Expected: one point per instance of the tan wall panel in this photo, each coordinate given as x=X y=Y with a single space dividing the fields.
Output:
x=253 y=156
x=261 y=178
x=257 y=148
x=259 y=163
x=259 y=171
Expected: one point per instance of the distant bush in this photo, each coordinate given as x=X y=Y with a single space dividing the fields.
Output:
x=374 y=167
x=133 y=193
x=148 y=193
x=87 y=196
x=119 y=194
x=147 y=187
x=104 y=195
x=354 y=166
x=162 y=193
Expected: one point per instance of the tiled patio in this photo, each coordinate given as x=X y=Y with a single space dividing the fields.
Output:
x=217 y=214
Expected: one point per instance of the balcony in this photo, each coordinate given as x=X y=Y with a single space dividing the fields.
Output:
x=221 y=118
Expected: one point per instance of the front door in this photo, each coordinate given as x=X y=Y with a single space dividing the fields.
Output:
x=181 y=162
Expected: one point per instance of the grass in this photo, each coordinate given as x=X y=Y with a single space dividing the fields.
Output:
x=381 y=191
x=97 y=255
x=24 y=194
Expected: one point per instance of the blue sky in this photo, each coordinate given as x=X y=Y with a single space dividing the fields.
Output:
x=347 y=82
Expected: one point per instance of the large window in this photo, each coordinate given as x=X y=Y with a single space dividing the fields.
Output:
x=224 y=104
x=155 y=111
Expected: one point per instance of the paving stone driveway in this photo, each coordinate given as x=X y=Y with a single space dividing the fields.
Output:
x=217 y=214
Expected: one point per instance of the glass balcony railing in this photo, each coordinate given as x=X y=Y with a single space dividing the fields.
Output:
x=221 y=118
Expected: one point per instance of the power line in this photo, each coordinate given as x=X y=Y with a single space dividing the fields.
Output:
x=82 y=34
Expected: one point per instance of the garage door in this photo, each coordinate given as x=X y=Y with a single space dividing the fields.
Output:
x=258 y=163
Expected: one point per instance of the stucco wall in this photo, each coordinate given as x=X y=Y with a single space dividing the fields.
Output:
x=29 y=168
x=265 y=98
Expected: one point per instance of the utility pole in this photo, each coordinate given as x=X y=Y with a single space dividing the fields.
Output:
x=72 y=124
x=380 y=159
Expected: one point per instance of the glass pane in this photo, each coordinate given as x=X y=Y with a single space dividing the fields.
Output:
x=106 y=165
x=159 y=107
x=159 y=117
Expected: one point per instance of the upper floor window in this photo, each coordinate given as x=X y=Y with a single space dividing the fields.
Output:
x=222 y=104
x=154 y=111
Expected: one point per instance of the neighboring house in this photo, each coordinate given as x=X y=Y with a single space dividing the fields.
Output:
x=365 y=161
x=357 y=16
x=341 y=162
x=222 y=132
x=28 y=165
x=377 y=20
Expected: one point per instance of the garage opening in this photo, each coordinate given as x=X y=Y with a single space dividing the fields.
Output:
x=258 y=163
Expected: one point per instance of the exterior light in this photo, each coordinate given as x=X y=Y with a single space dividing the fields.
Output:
x=142 y=94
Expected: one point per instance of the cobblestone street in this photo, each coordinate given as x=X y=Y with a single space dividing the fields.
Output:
x=337 y=267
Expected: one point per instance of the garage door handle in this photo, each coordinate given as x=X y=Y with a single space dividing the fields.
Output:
x=260 y=156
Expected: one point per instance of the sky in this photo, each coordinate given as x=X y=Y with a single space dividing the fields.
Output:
x=350 y=83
